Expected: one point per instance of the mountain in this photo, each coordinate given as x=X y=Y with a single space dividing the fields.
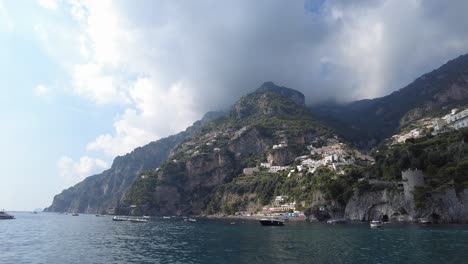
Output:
x=102 y=193
x=269 y=126
x=367 y=122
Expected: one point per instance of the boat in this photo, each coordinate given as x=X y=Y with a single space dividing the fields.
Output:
x=75 y=214
x=137 y=220
x=33 y=212
x=424 y=221
x=4 y=216
x=192 y=220
x=336 y=221
x=146 y=217
x=271 y=222
x=376 y=223
x=166 y=217
x=119 y=218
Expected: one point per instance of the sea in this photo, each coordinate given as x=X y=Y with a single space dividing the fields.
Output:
x=61 y=238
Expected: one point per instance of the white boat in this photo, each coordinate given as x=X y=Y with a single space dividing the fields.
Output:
x=4 y=216
x=146 y=217
x=166 y=217
x=336 y=221
x=376 y=223
x=137 y=220
x=192 y=220
x=424 y=221
x=119 y=218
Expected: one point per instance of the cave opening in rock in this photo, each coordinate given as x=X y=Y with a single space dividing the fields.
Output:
x=385 y=218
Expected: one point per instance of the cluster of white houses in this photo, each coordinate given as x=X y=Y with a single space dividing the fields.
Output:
x=333 y=155
x=454 y=120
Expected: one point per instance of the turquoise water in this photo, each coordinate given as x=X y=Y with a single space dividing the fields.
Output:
x=54 y=238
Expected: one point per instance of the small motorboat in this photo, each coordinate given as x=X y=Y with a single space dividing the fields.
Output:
x=146 y=217
x=271 y=222
x=5 y=216
x=424 y=221
x=75 y=214
x=166 y=217
x=119 y=218
x=336 y=221
x=376 y=223
x=137 y=220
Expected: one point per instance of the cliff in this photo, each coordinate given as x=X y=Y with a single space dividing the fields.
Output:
x=103 y=193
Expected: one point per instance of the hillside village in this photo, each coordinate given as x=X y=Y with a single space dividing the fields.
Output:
x=453 y=120
x=324 y=152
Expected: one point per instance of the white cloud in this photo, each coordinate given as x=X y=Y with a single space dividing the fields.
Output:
x=48 y=4
x=42 y=90
x=92 y=82
x=73 y=172
x=155 y=112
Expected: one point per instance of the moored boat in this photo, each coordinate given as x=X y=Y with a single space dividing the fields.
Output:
x=5 y=216
x=424 y=221
x=75 y=214
x=376 y=223
x=166 y=217
x=119 y=218
x=271 y=222
x=137 y=220
x=336 y=221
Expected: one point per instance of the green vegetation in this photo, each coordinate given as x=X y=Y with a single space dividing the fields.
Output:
x=141 y=191
x=298 y=187
x=443 y=158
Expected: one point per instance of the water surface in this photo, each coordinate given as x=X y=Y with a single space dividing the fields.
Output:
x=59 y=238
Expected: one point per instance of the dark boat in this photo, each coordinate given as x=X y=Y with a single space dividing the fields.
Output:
x=4 y=215
x=271 y=222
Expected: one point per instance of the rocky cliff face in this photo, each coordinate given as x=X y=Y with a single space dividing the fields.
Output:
x=445 y=206
x=103 y=193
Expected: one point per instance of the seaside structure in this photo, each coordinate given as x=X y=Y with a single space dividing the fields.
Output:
x=411 y=179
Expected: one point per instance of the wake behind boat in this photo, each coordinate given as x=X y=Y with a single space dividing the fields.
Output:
x=5 y=216
x=271 y=222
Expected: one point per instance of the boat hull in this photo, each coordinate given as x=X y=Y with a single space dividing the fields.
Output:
x=271 y=222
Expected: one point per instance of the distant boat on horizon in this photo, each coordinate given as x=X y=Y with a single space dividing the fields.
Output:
x=5 y=216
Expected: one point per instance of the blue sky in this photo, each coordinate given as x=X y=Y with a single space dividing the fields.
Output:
x=84 y=81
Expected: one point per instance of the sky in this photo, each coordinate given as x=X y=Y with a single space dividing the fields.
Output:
x=84 y=81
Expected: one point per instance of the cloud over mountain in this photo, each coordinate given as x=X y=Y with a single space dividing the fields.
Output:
x=167 y=62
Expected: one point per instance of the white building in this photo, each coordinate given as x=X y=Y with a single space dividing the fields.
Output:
x=454 y=120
